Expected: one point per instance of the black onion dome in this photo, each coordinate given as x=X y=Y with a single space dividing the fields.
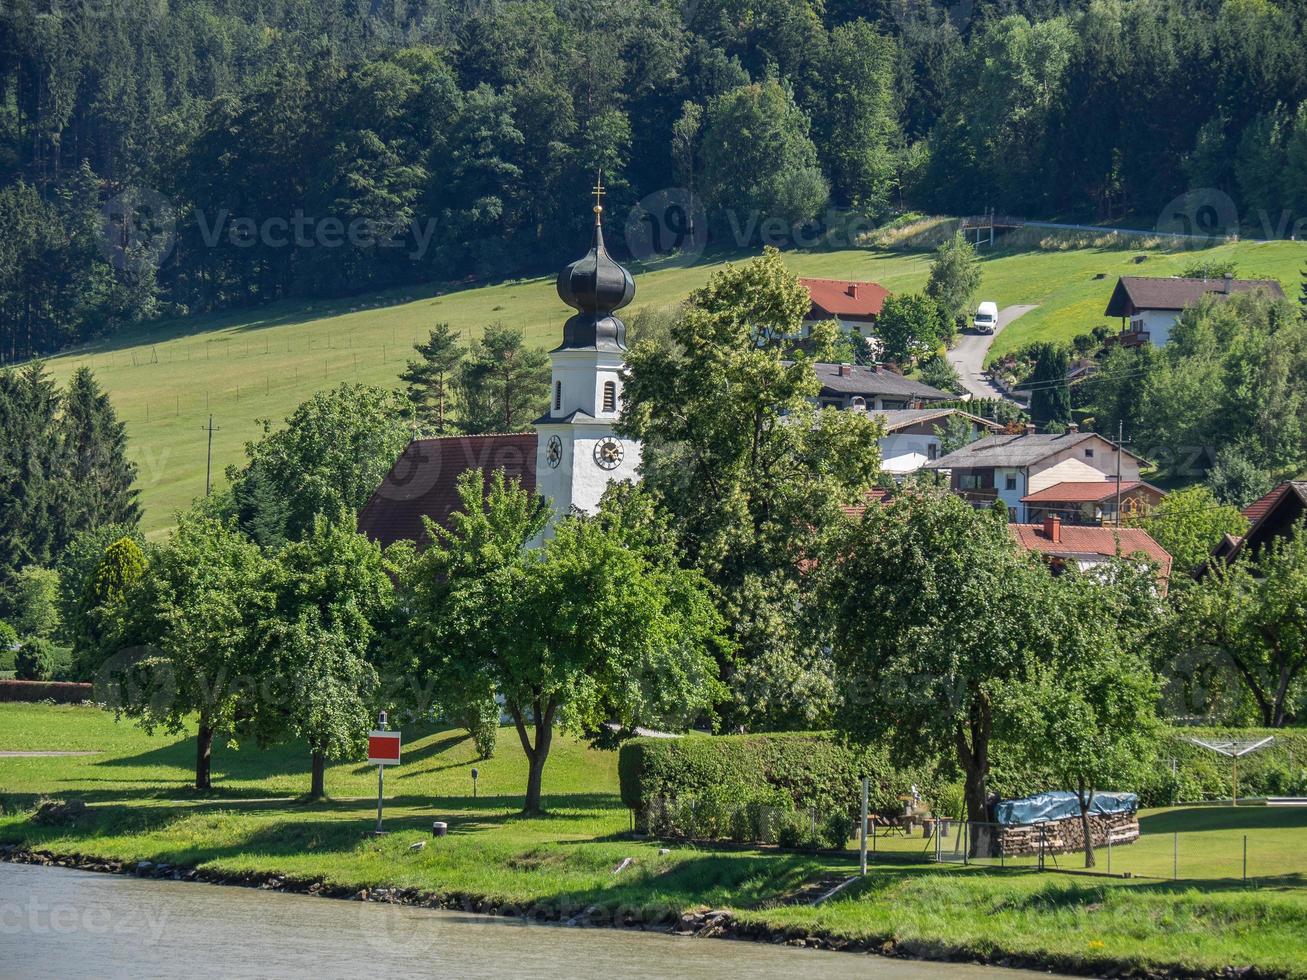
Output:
x=596 y=287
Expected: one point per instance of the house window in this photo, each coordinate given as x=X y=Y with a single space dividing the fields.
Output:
x=932 y=451
x=1089 y=454
x=1010 y=482
x=558 y=395
x=610 y=396
x=1012 y=515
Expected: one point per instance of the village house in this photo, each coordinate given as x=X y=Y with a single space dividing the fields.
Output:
x=1086 y=548
x=1012 y=468
x=1149 y=306
x=854 y=305
x=912 y=436
x=1270 y=517
x=873 y=388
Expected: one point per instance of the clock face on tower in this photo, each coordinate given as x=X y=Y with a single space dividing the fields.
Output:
x=554 y=451
x=609 y=453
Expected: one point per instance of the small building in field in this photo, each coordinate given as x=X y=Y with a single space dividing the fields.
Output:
x=1090 y=502
x=1149 y=306
x=855 y=305
x=1012 y=468
x=1086 y=548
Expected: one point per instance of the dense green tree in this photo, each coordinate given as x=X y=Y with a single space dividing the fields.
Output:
x=1050 y=394
x=504 y=385
x=99 y=477
x=79 y=569
x=759 y=162
x=332 y=599
x=909 y=326
x=1189 y=523
x=587 y=629
x=857 y=122
x=1088 y=717
x=34 y=660
x=1253 y=612
x=36 y=602
x=752 y=474
x=187 y=632
x=333 y=452
x=954 y=278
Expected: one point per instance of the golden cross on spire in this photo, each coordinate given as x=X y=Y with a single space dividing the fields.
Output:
x=599 y=191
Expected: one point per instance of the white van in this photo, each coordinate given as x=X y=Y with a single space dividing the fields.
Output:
x=986 y=318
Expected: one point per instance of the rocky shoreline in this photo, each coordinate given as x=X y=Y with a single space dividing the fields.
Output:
x=702 y=923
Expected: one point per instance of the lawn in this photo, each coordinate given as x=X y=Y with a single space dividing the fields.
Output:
x=168 y=377
x=142 y=808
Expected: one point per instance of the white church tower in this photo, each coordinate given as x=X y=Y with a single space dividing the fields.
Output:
x=578 y=454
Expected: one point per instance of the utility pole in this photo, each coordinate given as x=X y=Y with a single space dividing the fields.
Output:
x=1120 y=441
x=208 y=462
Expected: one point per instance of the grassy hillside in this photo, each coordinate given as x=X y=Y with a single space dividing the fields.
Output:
x=166 y=379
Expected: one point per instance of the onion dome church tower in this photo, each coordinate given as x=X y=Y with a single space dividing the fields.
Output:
x=577 y=452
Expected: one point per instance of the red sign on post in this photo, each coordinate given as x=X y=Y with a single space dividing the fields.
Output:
x=383 y=748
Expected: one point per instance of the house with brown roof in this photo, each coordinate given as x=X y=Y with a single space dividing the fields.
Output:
x=1270 y=517
x=1149 y=306
x=1012 y=468
x=1065 y=546
x=855 y=305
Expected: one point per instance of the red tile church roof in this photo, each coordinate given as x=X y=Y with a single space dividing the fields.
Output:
x=423 y=481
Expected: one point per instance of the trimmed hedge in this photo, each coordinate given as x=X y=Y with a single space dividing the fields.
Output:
x=60 y=692
x=807 y=769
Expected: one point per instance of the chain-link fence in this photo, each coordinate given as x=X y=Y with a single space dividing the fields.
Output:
x=1252 y=844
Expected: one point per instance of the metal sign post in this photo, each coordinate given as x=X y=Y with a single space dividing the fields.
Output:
x=862 y=831
x=383 y=750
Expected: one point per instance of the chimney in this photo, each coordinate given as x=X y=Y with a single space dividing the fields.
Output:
x=1225 y=286
x=1053 y=528
x=846 y=370
x=853 y=290
x=1072 y=428
x=1030 y=428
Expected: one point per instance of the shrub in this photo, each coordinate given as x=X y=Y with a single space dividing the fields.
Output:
x=481 y=719
x=35 y=660
x=800 y=769
x=793 y=830
x=836 y=830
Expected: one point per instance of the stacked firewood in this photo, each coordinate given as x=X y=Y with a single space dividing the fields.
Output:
x=1061 y=836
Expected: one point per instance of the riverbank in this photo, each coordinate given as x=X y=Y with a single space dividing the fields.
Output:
x=139 y=819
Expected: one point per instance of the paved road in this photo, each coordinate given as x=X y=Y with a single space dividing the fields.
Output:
x=969 y=354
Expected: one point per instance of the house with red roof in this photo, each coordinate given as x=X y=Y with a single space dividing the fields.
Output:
x=1064 y=546
x=1090 y=502
x=855 y=305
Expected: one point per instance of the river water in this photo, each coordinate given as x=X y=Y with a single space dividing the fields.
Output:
x=57 y=922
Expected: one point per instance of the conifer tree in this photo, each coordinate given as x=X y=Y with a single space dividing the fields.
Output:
x=430 y=379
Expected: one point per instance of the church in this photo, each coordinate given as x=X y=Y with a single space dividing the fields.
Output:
x=574 y=452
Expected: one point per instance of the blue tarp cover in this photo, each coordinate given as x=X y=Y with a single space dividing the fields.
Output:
x=1059 y=805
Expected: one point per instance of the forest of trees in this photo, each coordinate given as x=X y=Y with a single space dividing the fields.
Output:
x=168 y=158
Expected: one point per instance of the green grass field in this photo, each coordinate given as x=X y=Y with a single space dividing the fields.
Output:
x=165 y=379
x=142 y=808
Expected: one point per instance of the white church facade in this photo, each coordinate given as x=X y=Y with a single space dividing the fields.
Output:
x=574 y=452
